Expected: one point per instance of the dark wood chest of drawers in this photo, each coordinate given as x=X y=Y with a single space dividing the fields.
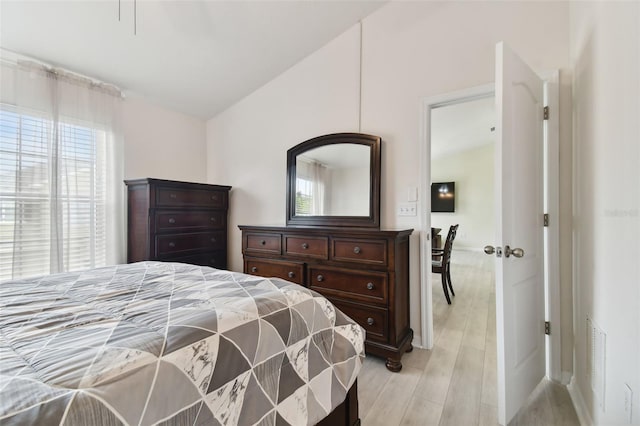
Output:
x=177 y=221
x=365 y=273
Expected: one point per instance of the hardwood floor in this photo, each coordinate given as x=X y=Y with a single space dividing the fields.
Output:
x=455 y=382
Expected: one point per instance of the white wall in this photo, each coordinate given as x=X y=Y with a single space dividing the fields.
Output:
x=605 y=53
x=472 y=171
x=161 y=143
x=411 y=50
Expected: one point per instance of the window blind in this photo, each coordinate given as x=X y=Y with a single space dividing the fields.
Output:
x=52 y=193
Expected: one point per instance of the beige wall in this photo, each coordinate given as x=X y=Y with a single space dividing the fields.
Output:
x=163 y=144
x=411 y=50
x=605 y=53
x=472 y=171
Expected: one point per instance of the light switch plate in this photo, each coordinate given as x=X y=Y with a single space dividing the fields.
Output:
x=407 y=209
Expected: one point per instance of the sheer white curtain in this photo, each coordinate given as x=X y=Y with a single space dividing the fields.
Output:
x=318 y=173
x=61 y=170
x=316 y=180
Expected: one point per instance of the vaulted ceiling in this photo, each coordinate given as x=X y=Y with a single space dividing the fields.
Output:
x=198 y=57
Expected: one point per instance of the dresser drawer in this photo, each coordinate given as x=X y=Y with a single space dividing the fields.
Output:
x=315 y=247
x=290 y=271
x=373 y=320
x=263 y=243
x=371 y=287
x=190 y=197
x=188 y=220
x=360 y=251
x=184 y=243
x=216 y=259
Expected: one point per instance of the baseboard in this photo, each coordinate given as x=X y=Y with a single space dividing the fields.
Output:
x=417 y=342
x=566 y=377
x=578 y=403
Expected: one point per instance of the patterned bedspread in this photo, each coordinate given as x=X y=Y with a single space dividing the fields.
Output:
x=170 y=343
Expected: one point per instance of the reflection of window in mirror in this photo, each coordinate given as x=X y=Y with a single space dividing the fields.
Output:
x=311 y=187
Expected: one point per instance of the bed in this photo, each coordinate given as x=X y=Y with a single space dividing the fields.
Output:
x=172 y=343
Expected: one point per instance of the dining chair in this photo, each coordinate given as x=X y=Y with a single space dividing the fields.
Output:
x=441 y=262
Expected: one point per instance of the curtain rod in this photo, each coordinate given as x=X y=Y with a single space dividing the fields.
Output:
x=17 y=59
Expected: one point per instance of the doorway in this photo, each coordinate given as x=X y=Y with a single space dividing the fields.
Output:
x=462 y=193
x=445 y=112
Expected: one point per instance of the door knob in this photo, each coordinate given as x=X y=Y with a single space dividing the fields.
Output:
x=491 y=249
x=516 y=252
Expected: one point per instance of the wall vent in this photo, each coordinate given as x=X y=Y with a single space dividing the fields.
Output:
x=596 y=360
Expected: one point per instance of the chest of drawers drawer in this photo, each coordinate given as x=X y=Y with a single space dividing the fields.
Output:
x=373 y=320
x=262 y=243
x=359 y=251
x=312 y=247
x=370 y=287
x=185 y=243
x=188 y=220
x=216 y=259
x=169 y=196
x=290 y=271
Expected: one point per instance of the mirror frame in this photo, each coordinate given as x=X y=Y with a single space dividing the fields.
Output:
x=373 y=220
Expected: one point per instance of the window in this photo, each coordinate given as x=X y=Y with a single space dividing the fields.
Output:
x=52 y=195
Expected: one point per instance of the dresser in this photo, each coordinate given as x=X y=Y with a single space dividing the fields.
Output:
x=363 y=272
x=177 y=222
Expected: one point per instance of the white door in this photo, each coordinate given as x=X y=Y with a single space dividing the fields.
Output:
x=519 y=227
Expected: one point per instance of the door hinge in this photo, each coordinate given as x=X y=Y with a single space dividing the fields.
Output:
x=545 y=113
x=547 y=328
x=546 y=219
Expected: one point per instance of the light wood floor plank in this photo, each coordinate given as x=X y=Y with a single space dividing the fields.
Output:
x=462 y=406
x=561 y=405
x=371 y=381
x=421 y=412
x=436 y=378
x=488 y=415
x=417 y=359
x=390 y=406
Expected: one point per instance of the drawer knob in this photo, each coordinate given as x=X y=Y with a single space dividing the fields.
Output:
x=370 y=321
x=291 y=274
x=172 y=220
x=356 y=250
x=254 y=269
x=213 y=240
x=262 y=242
x=172 y=244
x=174 y=196
x=214 y=197
x=320 y=278
x=212 y=261
x=213 y=219
x=369 y=286
x=305 y=246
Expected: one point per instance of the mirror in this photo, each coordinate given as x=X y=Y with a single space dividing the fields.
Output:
x=334 y=180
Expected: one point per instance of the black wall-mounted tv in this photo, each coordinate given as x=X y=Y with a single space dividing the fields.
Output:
x=443 y=197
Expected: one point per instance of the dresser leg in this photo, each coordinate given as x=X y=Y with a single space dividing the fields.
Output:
x=410 y=348
x=393 y=365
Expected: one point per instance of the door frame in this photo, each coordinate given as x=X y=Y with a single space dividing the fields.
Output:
x=551 y=195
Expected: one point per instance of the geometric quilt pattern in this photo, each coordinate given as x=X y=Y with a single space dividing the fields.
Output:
x=171 y=344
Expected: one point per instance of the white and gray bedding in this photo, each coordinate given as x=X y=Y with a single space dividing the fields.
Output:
x=170 y=343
